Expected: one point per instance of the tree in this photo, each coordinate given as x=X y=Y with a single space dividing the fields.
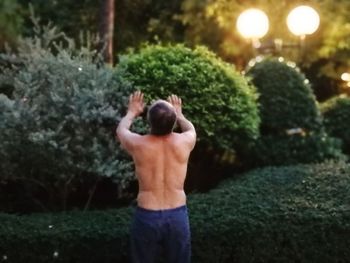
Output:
x=137 y=21
x=10 y=22
x=212 y=23
x=107 y=29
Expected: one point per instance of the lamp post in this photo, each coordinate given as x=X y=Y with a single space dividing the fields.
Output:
x=253 y=24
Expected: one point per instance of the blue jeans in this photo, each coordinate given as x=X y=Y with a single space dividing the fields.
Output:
x=155 y=230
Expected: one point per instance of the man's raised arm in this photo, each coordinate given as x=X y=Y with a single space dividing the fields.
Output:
x=185 y=125
x=135 y=108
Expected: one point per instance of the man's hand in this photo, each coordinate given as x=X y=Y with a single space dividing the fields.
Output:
x=187 y=128
x=177 y=104
x=135 y=108
x=136 y=104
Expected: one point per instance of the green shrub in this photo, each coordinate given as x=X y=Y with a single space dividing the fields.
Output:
x=279 y=150
x=291 y=123
x=58 y=127
x=286 y=100
x=66 y=237
x=275 y=214
x=336 y=113
x=217 y=99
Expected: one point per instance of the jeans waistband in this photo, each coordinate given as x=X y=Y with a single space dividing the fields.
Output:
x=162 y=211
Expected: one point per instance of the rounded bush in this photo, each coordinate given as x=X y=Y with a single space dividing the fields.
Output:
x=286 y=99
x=336 y=113
x=216 y=98
x=291 y=123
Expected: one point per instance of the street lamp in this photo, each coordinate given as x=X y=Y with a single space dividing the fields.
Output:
x=303 y=20
x=253 y=24
x=346 y=77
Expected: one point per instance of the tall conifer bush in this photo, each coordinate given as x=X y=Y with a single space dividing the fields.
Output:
x=57 y=126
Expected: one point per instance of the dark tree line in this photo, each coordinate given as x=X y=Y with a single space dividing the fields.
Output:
x=212 y=23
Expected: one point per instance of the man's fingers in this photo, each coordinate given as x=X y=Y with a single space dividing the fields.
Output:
x=170 y=99
x=176 y=99
x=137 y=95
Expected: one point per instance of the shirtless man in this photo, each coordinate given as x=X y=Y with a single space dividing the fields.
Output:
x=160 y=158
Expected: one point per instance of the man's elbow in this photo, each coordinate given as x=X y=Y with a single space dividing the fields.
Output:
x=119 y=137
x=118 y=134
x=122 y=136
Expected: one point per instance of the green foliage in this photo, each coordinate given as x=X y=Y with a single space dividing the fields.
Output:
x=281 y=150
x=336 y=113
x=291 y=129
x=217 y=99
x=58 y=128
x=136 y=21
x=286 y=100
x=336 y=35
x=10 y=22
x=211 y=23
x=275 y=214
x=66 y=237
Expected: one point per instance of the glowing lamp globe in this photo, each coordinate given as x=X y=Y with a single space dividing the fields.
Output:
x=345 y=76
x=303 y=20
x=252 y=23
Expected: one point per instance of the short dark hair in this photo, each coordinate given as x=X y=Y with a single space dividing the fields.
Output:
x=162 y=118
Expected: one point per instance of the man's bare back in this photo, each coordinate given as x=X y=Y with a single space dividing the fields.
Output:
x=161 y=165
x=160 y=160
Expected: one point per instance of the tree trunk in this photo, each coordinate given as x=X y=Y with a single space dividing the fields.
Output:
x=106 y=29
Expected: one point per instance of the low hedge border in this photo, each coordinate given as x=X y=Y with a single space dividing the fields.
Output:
x=275 y=214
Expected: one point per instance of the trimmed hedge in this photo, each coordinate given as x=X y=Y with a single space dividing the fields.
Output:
x=295 y=149
x=275 y=214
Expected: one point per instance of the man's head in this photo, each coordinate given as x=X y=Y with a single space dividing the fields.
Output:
x=162 y=117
